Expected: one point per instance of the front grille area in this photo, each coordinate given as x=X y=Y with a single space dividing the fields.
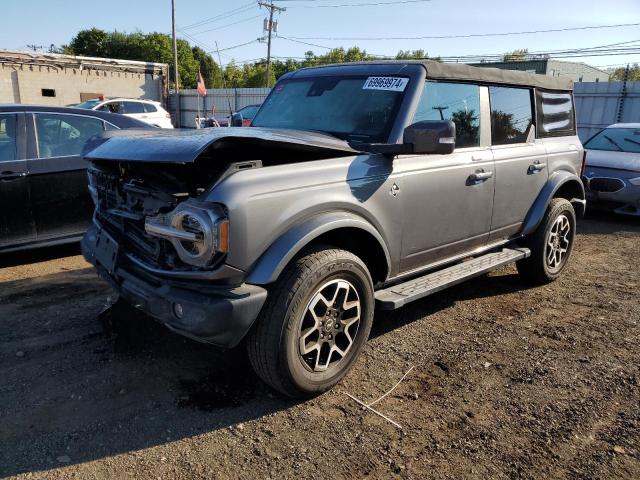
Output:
x=608 y=185
x=122 y=206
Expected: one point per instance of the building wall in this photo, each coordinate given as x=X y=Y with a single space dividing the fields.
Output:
x=579 y=72
x=24 y=84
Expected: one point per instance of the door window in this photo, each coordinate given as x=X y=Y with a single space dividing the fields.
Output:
x=133 y=107
x=511 y=115
x=64 y=135
x=111 y=107
x=459 y=102
x=8 y=138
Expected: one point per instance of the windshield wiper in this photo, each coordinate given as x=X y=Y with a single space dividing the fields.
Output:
x=632 y=140
x=611 y=140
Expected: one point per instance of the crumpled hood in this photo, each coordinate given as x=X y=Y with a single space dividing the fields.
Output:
x=617 y=160
x=185 y=146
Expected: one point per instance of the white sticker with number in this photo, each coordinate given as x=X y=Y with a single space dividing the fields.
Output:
x=395 y=84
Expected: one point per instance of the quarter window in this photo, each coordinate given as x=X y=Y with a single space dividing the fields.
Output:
x=555 y=114
x=64 y=135
x=511 y=115
x=133 y=107
x=150 y=108
x=458 y=102
x=7 y=138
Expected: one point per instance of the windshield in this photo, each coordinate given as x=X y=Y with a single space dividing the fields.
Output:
x=89 y=104
x=616 y=140
x=359 y=109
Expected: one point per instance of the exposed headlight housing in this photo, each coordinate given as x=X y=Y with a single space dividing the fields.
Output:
x=197 y=232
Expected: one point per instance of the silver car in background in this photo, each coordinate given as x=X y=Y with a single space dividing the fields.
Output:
x=612 y=168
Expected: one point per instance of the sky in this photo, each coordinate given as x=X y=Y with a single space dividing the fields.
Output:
x=46 y=22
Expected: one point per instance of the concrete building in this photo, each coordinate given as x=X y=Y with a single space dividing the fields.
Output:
x=54 y=79
x=578 y=71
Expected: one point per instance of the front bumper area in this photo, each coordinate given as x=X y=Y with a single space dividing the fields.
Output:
x=220 y=315
x=624 y=200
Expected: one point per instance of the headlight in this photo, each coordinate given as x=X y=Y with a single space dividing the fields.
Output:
x=197 y=233
x=635 y=181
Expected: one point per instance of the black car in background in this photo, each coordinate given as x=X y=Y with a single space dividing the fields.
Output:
x=44 y=197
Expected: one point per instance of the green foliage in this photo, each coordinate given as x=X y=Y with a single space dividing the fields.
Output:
x=618 y=74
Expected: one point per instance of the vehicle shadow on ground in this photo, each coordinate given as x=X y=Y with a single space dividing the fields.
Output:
x=24 y=257
x=599 y=222
x=73 y=391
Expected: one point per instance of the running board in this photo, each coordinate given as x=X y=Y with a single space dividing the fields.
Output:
x=398 y=295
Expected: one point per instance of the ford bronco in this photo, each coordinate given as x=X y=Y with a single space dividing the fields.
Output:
x=357 y=186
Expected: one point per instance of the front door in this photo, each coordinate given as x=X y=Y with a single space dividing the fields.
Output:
x=57 y=173
x=521 y=160
x=448 y=199
x=16 y=220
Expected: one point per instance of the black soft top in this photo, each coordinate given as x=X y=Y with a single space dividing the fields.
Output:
x=462 y=72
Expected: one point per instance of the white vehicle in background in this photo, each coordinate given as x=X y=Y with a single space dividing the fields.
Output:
x=147 y=111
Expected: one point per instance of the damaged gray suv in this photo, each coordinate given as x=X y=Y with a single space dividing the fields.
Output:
x=357 y=186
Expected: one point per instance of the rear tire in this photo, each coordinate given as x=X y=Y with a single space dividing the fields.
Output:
x=551 y=244
x=314 y=324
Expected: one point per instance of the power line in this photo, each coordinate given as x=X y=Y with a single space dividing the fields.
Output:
x=368 y=4
x=221 y=16
x=225 y=26
x=472 y=35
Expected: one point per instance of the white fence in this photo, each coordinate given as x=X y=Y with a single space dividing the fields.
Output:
x=599 y=104
x=223 y=100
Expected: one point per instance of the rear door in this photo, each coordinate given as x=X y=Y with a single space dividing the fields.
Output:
x=60 y=198
x=135 y=110
x=520 y=159
x=17 y=224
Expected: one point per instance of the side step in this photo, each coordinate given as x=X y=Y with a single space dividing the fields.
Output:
x=398 y=295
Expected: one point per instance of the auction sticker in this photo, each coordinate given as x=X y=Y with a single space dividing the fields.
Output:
x=394 y=84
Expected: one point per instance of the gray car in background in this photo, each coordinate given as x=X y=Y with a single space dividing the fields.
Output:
x=357 y=186
x=612 y=171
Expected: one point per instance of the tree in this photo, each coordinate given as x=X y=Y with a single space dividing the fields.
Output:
x=618 y=74
x=467 y=127
x=90 y=43
x=516 y=55
x=151 y=47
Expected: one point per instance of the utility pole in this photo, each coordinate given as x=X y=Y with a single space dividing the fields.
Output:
x=270 y=27
x=175 y=61
x=440 y=109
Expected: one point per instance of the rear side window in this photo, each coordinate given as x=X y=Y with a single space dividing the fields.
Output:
x=150 y=108
x=458 y=102
x=511 y=115
x=555 y=114
x=8 y=140
x=64 y=135
x=133 y=107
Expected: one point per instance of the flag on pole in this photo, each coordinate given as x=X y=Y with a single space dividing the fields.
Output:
x=202 y=90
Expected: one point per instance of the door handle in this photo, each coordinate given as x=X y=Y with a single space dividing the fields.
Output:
x=12 y=175
x=536 y=167
x=480 y=176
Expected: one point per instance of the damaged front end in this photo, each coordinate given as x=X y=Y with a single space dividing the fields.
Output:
x=157 y=240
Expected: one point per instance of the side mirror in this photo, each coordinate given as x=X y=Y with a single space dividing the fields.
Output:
x=236 y=120
x=431 y=136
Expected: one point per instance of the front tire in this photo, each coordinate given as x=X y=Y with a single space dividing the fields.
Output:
x=551 y=244
x=314 y=324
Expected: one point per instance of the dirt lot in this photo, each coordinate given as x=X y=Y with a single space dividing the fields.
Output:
x=509 y=382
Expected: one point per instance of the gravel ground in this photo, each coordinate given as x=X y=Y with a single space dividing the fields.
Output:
x=508 y=382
